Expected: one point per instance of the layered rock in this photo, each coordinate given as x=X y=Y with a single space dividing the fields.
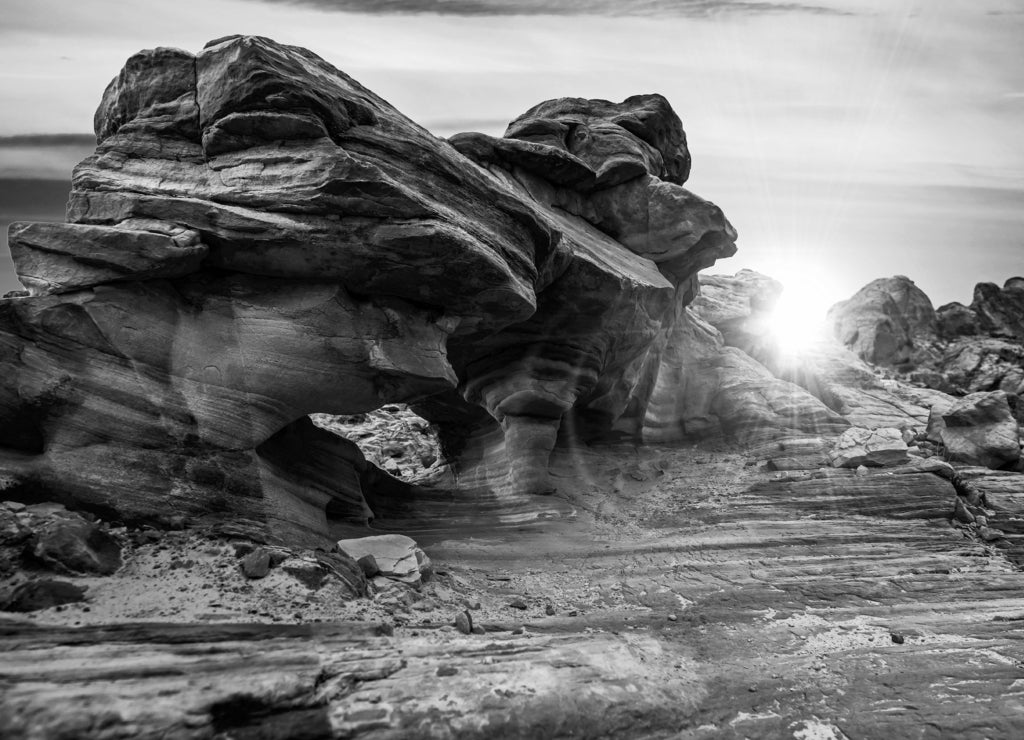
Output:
x=258 y=238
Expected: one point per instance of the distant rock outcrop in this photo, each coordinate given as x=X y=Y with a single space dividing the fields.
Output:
x=957 y=349
x=885 y=322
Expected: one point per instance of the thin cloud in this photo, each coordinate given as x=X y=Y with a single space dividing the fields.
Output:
x=683 y=8
x=46 y=140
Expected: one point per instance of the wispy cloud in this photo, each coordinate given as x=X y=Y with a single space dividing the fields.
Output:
x=685 y=8
x=47 y=140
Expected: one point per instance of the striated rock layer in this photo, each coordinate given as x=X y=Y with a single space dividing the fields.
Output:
x=258 y=238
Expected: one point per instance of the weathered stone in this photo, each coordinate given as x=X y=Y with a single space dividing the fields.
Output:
x=256 y=564
x=976 y=364
x=155 y=93
x=869 y=447
x=397 y=556
x=72 y=544
x=982 y=429
x=42 y=593
x=345 y=569
x=12 y=530
x=1000 y=311
x=464 y=622
x=306 y=571
x=884 y=321
x=617 y=140
x=956 y=320
x=368 y=564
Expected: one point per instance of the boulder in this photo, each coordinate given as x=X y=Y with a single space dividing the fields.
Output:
x=256 y=564
x=956 y=320
x=41 y=593
x=1000 y=311
x=878 y=448
x=397 y=557
x=885 y=322
x=70 y=543
x=981 y=429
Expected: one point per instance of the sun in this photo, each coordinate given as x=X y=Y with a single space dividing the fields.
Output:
x=798 y=320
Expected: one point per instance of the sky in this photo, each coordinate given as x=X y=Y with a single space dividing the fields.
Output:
x=845 y=139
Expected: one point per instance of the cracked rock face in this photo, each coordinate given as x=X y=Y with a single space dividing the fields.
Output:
x=258 y=238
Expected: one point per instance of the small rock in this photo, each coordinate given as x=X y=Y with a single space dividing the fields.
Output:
x=368 y=564
x=518 y=631
x=961 y=512
x=672 y=617
x=549 y=610
x=242 y=547
x=897 y=638
x=307 y=572
x=988 y=534
x=386 y=628
x=42 y=594
x=12 y=530
x=517 y=604
x=447 y=670
x=256 y=564
x=278 y=556
x=464 y=622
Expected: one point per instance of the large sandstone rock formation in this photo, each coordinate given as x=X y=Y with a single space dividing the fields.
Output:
x=258 y=238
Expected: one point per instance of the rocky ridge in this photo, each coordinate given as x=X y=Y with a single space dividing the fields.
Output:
x=956 y=349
